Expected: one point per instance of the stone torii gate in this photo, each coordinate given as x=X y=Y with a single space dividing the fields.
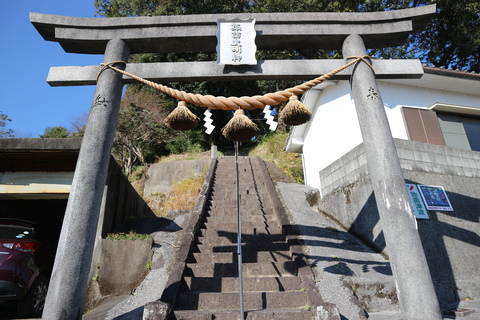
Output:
x=117 y=38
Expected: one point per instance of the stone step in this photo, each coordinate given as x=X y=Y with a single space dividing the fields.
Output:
x=260 y=284
x=251 y=220
x=258 y=269
x=246 y=216
x=232 y=202
x=225 y=238
x=245 y=204
x=245 y=183
x=230 y=214
x=252 y=300
x=226 y=210
x=229 y=187
x=227 y=192
x=246 y=190
x=272 y=289
x=247 y=231
x=229 y=178
x=284 y=314
x=246 y=248
x=251 y=257
x=248 y=234
x=248 y=227
x=218 y=217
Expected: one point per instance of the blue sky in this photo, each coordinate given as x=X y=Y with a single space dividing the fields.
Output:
x=25 y=96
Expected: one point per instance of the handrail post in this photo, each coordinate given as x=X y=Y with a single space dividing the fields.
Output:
x=239 y=237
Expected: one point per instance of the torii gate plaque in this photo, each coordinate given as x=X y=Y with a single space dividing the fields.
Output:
x=116 y=38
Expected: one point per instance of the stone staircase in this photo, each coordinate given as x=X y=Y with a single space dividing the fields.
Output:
x=277 y=283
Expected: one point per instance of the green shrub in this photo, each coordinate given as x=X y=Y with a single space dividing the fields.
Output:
x=186 y=142
x=271 y=149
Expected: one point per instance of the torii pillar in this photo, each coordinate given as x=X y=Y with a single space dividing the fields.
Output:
x=68 y=285
x=116 y=38
x=410 y=269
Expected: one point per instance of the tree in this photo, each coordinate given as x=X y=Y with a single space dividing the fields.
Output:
x=140 y=131
x=55 y=132
x=122 y=8
x=451 y=40
x=78 y=124
x=131 y=8
x=5 y=133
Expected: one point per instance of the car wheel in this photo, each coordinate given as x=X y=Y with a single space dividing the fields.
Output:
x=32 y=304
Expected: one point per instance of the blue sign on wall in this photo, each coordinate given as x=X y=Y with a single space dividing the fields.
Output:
x=435 y=198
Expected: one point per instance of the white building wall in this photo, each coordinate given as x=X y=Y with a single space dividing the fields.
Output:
x=332 y=131
x=334 y=128
x=396 y=94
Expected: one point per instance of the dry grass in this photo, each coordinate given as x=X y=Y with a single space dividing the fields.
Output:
x=183 y=196
x=185 y=156
x=184 y=193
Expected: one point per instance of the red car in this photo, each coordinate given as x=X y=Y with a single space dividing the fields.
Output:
x=25 y=266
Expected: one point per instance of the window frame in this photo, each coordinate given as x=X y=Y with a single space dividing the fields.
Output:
x=423 y=124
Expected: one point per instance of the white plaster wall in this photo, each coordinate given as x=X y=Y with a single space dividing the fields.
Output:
x=333 y=131
x=390 y=97
x=395 y=94
x=334 y=128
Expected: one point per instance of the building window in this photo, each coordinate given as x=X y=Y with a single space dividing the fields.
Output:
x=422 y=125
x=460 y=131
x=457 y=130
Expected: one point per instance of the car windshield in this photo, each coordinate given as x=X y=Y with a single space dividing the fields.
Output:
x=8 y=231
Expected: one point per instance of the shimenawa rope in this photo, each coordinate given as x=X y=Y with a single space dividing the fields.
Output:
x=234 y=103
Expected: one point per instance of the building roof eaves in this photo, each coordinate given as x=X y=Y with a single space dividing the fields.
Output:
x=452 y=73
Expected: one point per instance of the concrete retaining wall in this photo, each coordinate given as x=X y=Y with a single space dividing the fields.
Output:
x=122 y=201
x=162 y=175
x=450 y=239
x=123 y=266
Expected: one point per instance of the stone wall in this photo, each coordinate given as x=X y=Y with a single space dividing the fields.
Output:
x=450 y=239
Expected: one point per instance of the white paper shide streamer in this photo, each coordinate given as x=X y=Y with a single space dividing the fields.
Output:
x=208 y=122
x=269 y=117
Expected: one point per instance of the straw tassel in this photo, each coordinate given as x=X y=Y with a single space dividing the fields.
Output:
x=295 y=113
x=240 y=127
x=181 y=118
